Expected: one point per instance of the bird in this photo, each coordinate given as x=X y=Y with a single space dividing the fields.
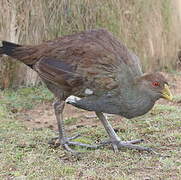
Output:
x=93 y=70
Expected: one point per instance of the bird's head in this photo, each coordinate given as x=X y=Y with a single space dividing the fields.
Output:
x=154 y=85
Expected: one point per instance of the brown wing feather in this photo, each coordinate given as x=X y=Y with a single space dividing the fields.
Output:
x=92 y=59
x=58 y=72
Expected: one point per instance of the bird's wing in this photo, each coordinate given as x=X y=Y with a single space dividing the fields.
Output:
x=58 y=72
x=93 y=60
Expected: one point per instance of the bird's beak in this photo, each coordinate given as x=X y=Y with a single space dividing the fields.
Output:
x=166 y=93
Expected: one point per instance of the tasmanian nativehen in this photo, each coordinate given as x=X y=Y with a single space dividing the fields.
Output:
x=92 y=70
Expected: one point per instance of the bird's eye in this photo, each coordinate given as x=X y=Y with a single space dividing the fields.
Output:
x=156 y=84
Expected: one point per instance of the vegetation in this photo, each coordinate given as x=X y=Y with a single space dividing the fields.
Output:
x=25 y=154
x=150 y=28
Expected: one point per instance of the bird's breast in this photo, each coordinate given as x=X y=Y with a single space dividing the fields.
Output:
x=131 y=109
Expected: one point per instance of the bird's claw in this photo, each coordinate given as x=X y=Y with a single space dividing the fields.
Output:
x=126 y=144
x=65 y=142
x=116 y=144
x=55 y=142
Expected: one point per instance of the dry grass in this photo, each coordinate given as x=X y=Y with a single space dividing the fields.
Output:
x=150 y=28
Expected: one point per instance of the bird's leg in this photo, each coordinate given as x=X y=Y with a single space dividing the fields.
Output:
x=115 y=140
x=63 y=140
x=112 y=134
x=58 y=108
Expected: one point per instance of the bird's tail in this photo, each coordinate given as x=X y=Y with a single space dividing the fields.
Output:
x=8 y=48
x=18 y=52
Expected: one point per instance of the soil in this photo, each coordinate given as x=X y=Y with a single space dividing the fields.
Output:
x=42 y=115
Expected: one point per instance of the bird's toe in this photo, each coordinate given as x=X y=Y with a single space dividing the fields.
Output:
x=66 y=143
x=121 y=145
x=55 y=142
x=116 y=145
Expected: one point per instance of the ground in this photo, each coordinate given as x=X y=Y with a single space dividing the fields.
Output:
x=28 y=123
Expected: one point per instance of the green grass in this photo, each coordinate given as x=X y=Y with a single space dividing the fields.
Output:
x=70 y=120
x=24 y=98
x=24 y=152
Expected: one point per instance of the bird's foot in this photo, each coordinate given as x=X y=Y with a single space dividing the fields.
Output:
x=66 y=143
x=55 y=142
x=116 y=144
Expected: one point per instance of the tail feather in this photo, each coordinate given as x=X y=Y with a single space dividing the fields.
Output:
x=11 y=50
x=8 y=48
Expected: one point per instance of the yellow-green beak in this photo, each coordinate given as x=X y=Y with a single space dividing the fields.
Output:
x=166 y=93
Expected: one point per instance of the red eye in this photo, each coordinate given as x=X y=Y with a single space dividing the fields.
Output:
x=156 y=83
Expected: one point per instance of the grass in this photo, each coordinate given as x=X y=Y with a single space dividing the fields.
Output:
x=24 y=98
x=25 y=154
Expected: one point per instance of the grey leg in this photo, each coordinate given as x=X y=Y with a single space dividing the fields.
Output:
x=58 y=108
x=115 y=140
x=112 y=134
x=63 y=140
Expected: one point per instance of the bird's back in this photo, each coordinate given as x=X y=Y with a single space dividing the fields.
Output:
x=93 y=60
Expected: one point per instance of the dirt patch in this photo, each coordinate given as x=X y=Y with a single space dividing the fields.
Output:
x=43 y=115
